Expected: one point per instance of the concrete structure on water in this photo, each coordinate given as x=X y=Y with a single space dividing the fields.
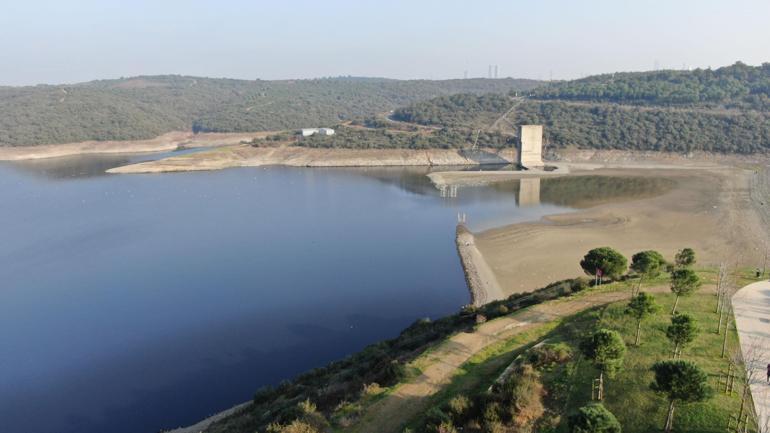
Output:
x=531 y=145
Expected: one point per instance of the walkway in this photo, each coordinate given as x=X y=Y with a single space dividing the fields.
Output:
x=751 y=305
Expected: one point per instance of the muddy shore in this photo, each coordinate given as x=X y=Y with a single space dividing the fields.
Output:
x=710 y=210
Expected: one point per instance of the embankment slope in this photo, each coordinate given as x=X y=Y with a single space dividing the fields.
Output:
x=249 y=156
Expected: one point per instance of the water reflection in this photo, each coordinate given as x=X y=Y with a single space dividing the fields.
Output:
x=86 y=166
x=583 y=191
x=529 y=192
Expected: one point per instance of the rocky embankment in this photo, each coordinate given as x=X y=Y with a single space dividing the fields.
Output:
x=481 y=280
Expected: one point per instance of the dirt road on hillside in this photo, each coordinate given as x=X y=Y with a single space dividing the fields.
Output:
x=408 y=400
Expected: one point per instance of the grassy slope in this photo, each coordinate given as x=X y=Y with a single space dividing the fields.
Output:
x=628 y=395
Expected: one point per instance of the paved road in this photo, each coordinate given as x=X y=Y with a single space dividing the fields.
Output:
x=751 y=305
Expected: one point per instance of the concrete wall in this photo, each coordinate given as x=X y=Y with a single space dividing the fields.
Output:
x=531 y=145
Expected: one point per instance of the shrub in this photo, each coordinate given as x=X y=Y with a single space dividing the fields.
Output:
x=548 y=354
x=459 y=407
x=594 y=418
x=435 y=416
x=580 y=284
x=446 y=427
x=520 y=398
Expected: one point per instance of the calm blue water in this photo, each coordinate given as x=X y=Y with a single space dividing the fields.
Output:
x=139 y=302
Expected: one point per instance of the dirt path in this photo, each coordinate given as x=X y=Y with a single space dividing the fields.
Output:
x=408 y=400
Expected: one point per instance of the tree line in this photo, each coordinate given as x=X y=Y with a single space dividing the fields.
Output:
x=738 y=85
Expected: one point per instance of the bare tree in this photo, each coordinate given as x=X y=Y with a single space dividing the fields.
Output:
x=754 y=355
x=726 y=289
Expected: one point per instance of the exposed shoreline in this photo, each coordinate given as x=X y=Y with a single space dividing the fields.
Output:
x=296 y=156
x=709 y=210
x=167 y=142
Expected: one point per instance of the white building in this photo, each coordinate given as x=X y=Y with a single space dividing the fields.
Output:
x=307 y=132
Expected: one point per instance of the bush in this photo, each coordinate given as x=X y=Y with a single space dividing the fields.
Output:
x=519 y=400
x=594 y=418
x=446 y=427
x=549 y=354
x=435 y=416
x=580 y=284
x=459 y=407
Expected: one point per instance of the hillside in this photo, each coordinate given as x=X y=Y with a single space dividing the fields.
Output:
x=735 y=86
x=725 y=110
x=145 y=107
x=519 y=370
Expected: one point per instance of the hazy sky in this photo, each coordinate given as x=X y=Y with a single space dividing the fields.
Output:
x=78 y=40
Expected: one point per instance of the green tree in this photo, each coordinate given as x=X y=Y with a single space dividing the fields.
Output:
x=604 y=261
x=681 y=332
x=684 y=282
x=593 y=418
x=606 y=349
x=685 y=257
x=647 y=264
x=681 y=382
x=641 y=306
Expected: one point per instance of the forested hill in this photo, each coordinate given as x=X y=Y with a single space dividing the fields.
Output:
x=738 y=85
x=144 y=107
x=724 y=110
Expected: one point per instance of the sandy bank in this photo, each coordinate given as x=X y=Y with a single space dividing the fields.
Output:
x=482 y=282
x=249 y=156
x=709 y=210
x=163 y=143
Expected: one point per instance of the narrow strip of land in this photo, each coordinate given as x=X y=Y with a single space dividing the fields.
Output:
x=482 y=282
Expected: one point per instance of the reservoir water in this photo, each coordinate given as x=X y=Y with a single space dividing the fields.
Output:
x=134 y=303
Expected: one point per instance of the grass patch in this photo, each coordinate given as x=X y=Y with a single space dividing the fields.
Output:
x=628 y=395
